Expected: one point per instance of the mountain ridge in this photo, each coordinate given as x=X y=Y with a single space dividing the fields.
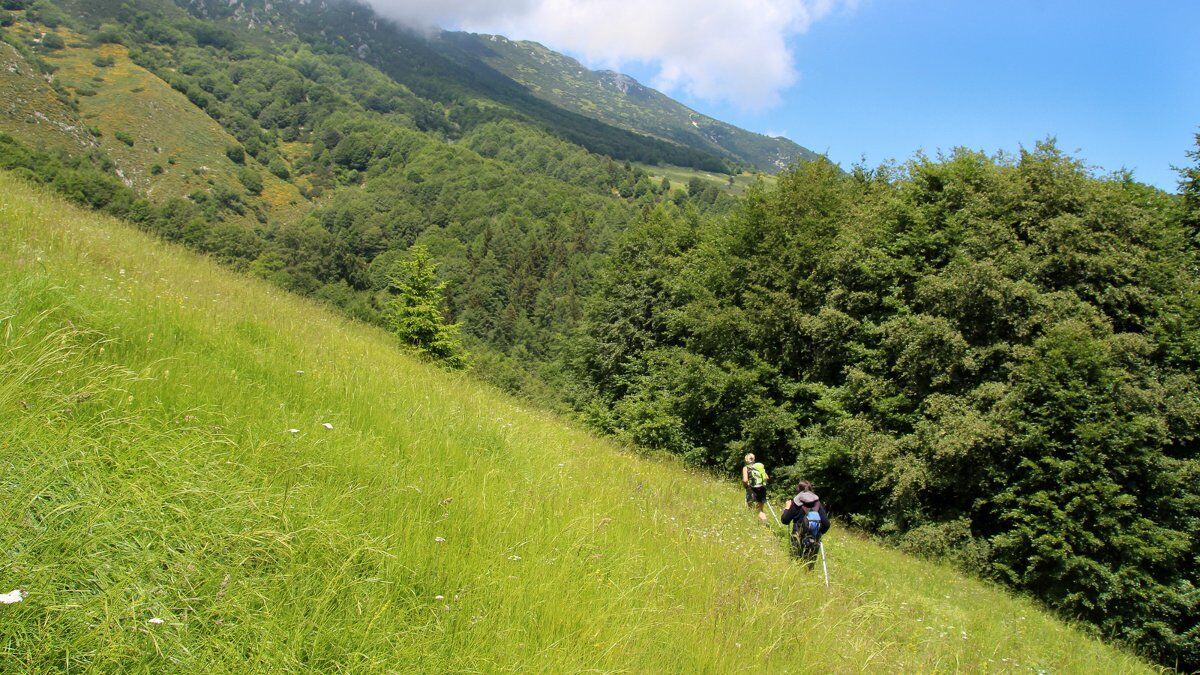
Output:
x=621 y=100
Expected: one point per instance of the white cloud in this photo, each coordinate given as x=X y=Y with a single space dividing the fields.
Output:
x=731 y=50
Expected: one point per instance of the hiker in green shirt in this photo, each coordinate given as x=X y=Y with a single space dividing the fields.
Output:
x=754 y=477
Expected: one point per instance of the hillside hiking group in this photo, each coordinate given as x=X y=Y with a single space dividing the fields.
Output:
x=804 y=513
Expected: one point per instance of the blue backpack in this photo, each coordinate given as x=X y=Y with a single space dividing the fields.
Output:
x=812 y=524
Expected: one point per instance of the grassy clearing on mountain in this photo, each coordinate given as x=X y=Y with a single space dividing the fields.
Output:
x=679 y=177
x=150 y=473
x=32 y=109
x=163 y=145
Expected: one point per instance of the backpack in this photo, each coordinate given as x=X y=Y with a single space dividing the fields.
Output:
x=806 y=530
x=812 y=524
x=758 y=474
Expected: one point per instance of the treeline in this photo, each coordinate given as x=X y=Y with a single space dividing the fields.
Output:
x=991 y=360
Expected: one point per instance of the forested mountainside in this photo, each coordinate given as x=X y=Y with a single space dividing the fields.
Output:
x=460 y=85
x=295 y=159
x=987 y=358
x=623 y=101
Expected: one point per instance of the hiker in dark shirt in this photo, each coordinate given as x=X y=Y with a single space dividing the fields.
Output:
x=805 y=542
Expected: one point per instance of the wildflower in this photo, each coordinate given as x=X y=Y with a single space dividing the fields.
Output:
x=12 y=597
x=440 y=540
x=327 y=425
x=514 y=557
x=156 y=621
x=293 y=431
x=439 y=597
x=299 y=372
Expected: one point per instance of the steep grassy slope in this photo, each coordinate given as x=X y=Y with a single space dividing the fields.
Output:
x=149 y=472
x=32 y=109
x=161 y=144
x=623 y=101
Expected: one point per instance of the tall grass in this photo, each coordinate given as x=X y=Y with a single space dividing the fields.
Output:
x=148 y=472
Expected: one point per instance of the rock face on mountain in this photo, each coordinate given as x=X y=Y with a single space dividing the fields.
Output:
x=621 y=100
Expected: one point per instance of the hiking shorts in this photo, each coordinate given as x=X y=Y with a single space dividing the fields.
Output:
x=756 y=495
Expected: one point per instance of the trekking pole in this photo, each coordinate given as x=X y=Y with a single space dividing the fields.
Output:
x=773 y=512
x=824 y=567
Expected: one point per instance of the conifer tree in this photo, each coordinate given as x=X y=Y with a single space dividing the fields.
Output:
x=415 y=309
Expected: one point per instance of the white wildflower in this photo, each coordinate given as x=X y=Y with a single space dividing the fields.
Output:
x=12 y=597
x=293 y=431
x=156 y=621
x=440 y=540
x=327 y=425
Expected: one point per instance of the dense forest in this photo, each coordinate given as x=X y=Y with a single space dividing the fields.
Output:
x=988 y=359
x=991 y=360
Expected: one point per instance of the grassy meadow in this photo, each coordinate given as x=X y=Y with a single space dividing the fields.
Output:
x=679 y=177
x=150 y=471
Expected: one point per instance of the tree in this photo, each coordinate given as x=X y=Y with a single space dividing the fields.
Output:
x=414 y=309
x=1189 y=187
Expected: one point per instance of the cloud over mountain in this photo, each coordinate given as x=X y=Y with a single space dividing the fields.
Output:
x=731 y=50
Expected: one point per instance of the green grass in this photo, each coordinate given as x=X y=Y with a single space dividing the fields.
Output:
x=148 y=472
x=679 y=177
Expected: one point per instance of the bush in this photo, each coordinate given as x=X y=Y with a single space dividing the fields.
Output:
x=251 y=180
x=279 y=168
x=236 y=154
x=53 y=41
x=45 y=13
x=123 y=137
x=103 y=61
x=109 y=34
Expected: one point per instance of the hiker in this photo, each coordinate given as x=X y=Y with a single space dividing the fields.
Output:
x=754 y=477
x=809 y=520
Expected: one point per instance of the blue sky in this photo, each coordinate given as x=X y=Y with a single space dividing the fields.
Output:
x=1119 y=82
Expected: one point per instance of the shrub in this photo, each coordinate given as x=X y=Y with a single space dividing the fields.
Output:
x=53 y=41
x=45 y=13
x=279 y=168
x=251 y=180
x=109 y=34
x=124 y=138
